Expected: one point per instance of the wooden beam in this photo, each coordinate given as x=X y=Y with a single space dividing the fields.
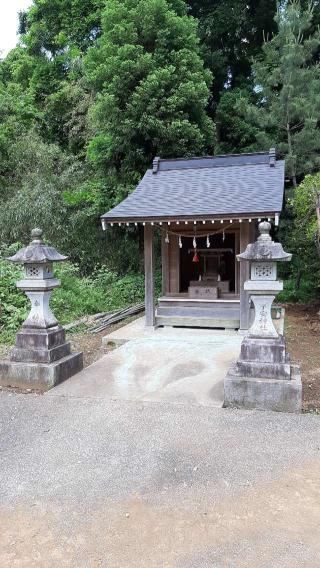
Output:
x=149 y=275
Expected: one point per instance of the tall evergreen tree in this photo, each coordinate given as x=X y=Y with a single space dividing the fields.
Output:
x=287 y=80
x=152 y=89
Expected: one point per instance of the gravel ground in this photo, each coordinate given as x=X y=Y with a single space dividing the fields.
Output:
x=88 y=483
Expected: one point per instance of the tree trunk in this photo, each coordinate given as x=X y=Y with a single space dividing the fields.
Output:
x=298 y=279
x=293 y=166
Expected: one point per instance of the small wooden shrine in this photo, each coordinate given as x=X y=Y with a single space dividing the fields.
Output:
x=207 y=210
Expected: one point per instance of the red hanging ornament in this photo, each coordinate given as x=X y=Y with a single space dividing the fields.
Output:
x=195 y=257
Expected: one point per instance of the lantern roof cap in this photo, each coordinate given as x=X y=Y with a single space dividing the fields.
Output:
x=265 y=249
x=37 y=251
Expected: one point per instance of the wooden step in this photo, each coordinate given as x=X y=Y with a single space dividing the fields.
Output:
x=207 y=322
x=199 y=311
x=191 y=303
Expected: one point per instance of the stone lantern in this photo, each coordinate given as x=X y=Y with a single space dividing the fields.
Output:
x=41 y=357
x=263 y=285
x=263 y=376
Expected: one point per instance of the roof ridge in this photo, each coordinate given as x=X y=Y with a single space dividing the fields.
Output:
x=223 y=160
x=208 y=156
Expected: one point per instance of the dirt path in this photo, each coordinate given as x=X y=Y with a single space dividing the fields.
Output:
x=302 y=330
x=87 y=483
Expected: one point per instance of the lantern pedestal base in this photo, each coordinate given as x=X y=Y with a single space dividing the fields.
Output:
x=39 y=376
x=40 y=345
x=263 y=394
x=263 y=377
x=40 y=359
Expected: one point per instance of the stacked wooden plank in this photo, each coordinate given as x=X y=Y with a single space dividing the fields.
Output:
x=116 y=317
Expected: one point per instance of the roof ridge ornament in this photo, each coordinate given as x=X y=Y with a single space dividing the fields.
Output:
x=156 y=164
x=272 y=157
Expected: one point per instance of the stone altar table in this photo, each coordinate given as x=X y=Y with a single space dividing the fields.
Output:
x=203 y=289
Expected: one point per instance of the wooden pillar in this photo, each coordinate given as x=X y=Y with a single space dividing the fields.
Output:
x=149 y=275
x=237 y=263
x=165 y=266
x=245 y=234
x=174 y=264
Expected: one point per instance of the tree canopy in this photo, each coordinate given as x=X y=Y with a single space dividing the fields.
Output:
x=287 y=79
x=95 y=89
x=151 y=86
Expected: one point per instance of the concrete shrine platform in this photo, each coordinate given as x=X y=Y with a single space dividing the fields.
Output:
x=166 y=364
x=137 y=330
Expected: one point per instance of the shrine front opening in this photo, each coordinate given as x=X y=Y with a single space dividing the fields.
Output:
x=213 y=268
x=201 y=276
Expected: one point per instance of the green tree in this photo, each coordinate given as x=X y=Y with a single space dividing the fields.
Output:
x=55 y=35
x=40 y=178
x=287 y=80
x=234 y=132
x=152 y=89
x=18 y=110
x=56 y=26
x=232 y=32
x=302 y=238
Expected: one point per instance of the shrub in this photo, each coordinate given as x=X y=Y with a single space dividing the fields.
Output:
x=77 y=296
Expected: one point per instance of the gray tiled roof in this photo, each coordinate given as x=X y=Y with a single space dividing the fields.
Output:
x=204 y=188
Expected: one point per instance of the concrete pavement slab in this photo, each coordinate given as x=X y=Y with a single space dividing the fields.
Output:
x=175 y=366
x=90 y=482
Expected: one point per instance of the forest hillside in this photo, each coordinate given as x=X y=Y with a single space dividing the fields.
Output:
x=96 y=88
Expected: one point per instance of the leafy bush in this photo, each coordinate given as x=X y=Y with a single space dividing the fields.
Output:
x=305 y=293
x=77 y=296
x=13 y=303
x=300 y=237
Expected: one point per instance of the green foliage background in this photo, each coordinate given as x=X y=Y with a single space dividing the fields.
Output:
x=96 y=88
x=78 y=296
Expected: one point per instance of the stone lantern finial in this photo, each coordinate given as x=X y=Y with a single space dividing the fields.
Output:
x=264 y=230
x=36 y=235
x=264 y=249
x=41 y=357
x=37 y=251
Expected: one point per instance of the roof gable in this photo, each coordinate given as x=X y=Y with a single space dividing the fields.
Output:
x=206 y=187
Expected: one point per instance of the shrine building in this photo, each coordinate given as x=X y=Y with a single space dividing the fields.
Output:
x=207 y=210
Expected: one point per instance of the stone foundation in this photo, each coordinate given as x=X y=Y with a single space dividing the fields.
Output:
x=263 y=377
x=263 y=394
x=41 y=345
x=39 y=376
x=40 y=359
